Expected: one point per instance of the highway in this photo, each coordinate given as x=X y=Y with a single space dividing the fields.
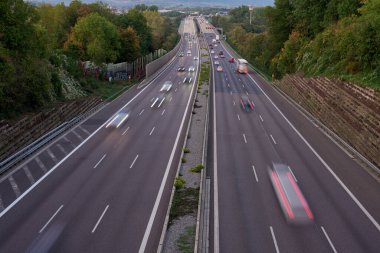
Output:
x=246 y=215
x=104 y=189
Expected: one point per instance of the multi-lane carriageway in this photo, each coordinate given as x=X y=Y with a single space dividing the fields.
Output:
x=100 y=189
x=246 y=214
x=108 y=192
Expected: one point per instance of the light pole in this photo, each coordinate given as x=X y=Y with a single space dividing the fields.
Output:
x=250 y=14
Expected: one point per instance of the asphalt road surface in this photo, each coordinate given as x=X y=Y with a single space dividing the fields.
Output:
x=343 y=198
x=101 y=189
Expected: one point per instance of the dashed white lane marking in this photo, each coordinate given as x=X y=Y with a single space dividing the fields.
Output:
x=29 y=175
x=141 y=112
x=234 y=102
x=77 y=135
x=238 y=116
x=59 y=146
x=231 y=92
x=137 y=156
x=152 y=99
x=261 y=118
x=175 y=90
x=328 y=239
x=273 y=139
x=228 y=85
x=274 y=239
x=246 y=93
x=101 y=159
x=52 y=155
x=41 y=165
x=100 y=219
x=170 y=99
x=126 y=130
x=152 y=131
x=84 y=130
x=51 y=218
x=68 y=141
x=163 y=112
x=14 y=186
x=292 y=173
x=245 y=139
x=254 y=171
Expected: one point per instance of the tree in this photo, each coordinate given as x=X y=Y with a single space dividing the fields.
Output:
x=95 y=38
x=157 y=25
x=130 y=45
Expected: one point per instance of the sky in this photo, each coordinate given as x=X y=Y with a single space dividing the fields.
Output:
x=167 y=3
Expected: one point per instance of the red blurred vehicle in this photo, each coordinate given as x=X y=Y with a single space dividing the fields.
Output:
x=231 y=59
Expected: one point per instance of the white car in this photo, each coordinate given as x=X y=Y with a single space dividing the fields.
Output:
x=191 y=69
x=219 y=68
x=118 y=119
x=166 y=87
x=216 y=57
x=216 y=62
x=212 y=51
x=188 y=53
x=195 y=58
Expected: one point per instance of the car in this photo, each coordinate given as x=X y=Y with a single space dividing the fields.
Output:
x=222 y=56
x=216 y=57
x=157 y=101
x=220 y=52
x=166 y=87
x=215 y=45
x=187 y=79
x=191 y=69
x=180 y=54
x=188 y=53
x=181 y=68
x=196 y=58
x=219 y=68
x=231 y=59
x=212 y=51
x=210 y=45
x=118 y=120
x=216 y=62
x=245 y=103
x=289 y=195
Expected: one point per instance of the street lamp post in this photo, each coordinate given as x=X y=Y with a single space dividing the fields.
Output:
x=250 y=14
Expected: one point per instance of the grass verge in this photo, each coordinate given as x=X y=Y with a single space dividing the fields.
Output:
x=185 y=242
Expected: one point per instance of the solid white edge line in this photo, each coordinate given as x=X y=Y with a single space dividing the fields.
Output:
x=148 y=229
x=126 y=130
x=357 y=202
x=271 y=136
x=291 y=171
x=274 y=239
x=328 y=239
x=51 y=218
x=254 y=171
x=100 y=219
x=152 y=131
x=134 y=160
x=75 y=149
x=101 y=159
x=215 y=172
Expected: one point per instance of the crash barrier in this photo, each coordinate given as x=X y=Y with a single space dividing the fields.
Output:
x=14 y=137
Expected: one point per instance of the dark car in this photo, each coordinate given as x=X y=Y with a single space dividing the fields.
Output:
x=245 y=103
x=290 y=197
x=181 y=68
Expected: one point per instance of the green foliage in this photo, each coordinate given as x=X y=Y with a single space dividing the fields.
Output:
x=185 y=242
x=183 y=160
x=96 y=38
x=179 y=183
x=197 y=169
x=186 y=150
x=185 y=201
x=130 y=45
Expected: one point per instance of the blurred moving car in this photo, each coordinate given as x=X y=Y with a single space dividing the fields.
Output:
x=219 y=68
x=216 y=62
x=216 y=57
x=191 y=69
x=187 y=79
x=188 y=53
x=195 y=58
x=232 y=59
x=180 y=54
x=166 y=87
x=181 y=68
x=212 y=51
x=118 y=119
x=245 y=103
x=292 y=201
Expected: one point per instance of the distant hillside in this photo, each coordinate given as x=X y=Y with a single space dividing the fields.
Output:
x=172 y=3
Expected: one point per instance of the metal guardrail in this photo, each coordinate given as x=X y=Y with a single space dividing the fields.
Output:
x=20 y=155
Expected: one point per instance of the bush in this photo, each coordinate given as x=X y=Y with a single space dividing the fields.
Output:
x=183 y=160
x=179 y=183
x=197 y=169
x=186 y=150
